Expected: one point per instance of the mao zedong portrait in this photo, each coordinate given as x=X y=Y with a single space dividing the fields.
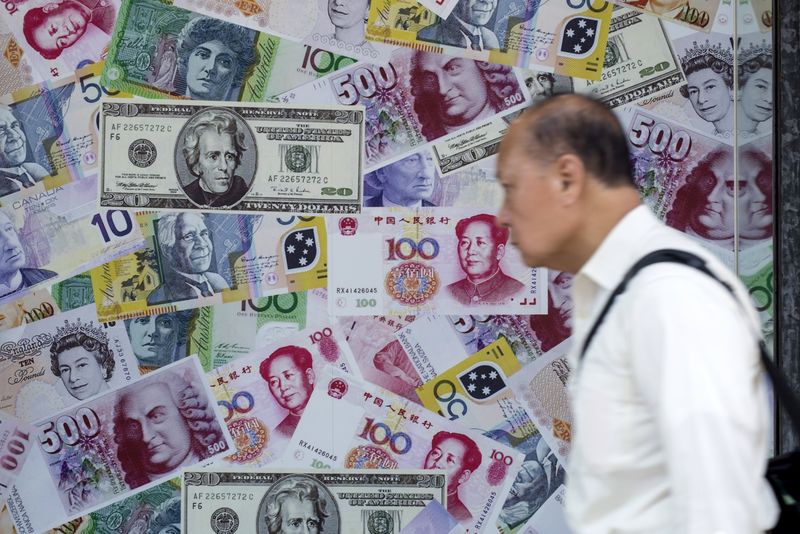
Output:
x=298 y=505
x=289 y=374
x=14 y=276
x=160 y=426
x=213 y=145
x=58 y=25
x=187 y=249
x=213 y=57
x=450 y=92
x=16 y=172
x=481 y=246
x=80 y=356
x=459 y=456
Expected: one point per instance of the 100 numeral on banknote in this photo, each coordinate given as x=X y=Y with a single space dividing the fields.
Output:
x=244 y=157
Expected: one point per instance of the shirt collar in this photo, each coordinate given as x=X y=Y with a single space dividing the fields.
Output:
x=14 y=284
x=618 y=251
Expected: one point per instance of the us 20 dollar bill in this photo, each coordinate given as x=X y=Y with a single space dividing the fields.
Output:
x=243 y=157
x=340 y=500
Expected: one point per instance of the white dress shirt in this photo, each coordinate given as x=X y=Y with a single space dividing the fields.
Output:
x=670 y=410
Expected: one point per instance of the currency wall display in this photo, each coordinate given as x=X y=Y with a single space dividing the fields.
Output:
x=251 y=272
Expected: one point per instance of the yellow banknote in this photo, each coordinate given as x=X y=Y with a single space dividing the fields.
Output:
x=567 y=37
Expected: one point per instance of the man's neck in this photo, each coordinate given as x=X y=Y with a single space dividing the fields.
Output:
x=404 y=202
x=11 y=282
x=606 y=208
x=467 y=26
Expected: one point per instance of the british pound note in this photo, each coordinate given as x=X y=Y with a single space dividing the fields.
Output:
x=116 y=444
x=193 y=259
x=154 y=41
x=326 y=25
x=52 y=235
x=16 y=440
x=542 y=388
x=633 y=72
x=447 y=261
x=349 y=423
x=477 y=394
x=562 y=36
x=58 y=38
x=699 y=15
x=58 y=362
x=53 y=134
x=263 y=395
x=33 y=307
x=415 y=98
x=156 y=509
x=307 y=501
x=206 y=156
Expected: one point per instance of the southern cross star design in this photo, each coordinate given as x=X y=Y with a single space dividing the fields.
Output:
x=299 y=236
x=290 y=249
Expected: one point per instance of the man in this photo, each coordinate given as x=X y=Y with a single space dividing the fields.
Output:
x=187 y=249
x=408 y=183
x=60 y=24
x=13 y=275
x=481 y=245
x=15 y=172
x=459 y=456
x=289 y=374
x=160 y=427
x=297 y=507
x=451 y=92
x=213 y=148
x=465 y=27
x=669 y=403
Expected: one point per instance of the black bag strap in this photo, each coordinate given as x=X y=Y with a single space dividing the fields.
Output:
x=782 y=388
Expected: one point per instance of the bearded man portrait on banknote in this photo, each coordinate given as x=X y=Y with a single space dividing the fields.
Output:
x=187 y=247
x=673 y=371
x=465 y=27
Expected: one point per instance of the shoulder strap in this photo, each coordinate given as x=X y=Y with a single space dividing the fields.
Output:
x=782 y=388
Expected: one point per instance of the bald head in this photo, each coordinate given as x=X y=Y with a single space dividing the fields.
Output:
x=579 y=125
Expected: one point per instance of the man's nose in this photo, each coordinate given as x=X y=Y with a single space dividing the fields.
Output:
x=147 y=433
x=444 y=84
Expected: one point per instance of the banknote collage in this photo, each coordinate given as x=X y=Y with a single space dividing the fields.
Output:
x=251 y=278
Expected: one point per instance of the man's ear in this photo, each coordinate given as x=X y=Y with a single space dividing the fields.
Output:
x=570 y=174
x=501 y=251
x=310 y=376
x=464 y=476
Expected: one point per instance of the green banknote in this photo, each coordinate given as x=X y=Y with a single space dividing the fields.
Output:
x=159 y=50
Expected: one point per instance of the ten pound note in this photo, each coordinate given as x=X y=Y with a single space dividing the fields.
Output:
x=61 y=361
x=349 y=423
x=455 y=261
x=323 y=502
x=116 y=444
x=244 y=157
